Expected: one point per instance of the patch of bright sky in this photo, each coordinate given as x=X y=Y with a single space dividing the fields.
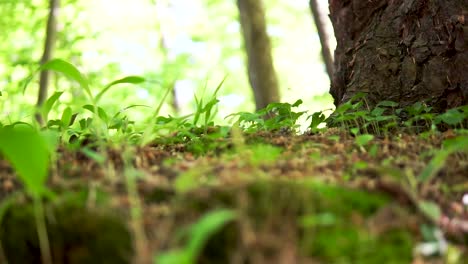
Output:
x=128 y=37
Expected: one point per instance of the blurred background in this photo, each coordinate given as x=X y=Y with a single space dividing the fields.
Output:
x=190 y=45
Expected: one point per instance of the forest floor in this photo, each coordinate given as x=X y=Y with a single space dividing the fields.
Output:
x=322 y=198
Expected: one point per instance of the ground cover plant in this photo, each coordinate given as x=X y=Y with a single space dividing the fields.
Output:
x=386 y=184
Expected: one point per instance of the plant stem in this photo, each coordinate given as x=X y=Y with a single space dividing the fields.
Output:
x=138 y=229
x=42 y=231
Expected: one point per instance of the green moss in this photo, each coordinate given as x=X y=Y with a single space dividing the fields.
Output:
x=330 y=223
x=76 y=235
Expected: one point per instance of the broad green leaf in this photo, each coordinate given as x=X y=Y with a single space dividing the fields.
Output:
x=362 y=140
x=68 y=70
x=355 y=131
x=100 y=112
x=128 y=79
x=430 y=209
x=67 y=117
x=459 y=143
x=103 y=115
x=378 y=111
x=28 y=153
x=50 y=103
x=317 y=119
x=297 y=103
x=343 y=108
x=452 y=117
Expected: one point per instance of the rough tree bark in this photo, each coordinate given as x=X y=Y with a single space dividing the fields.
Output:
x=401 y=50
x=261 y=72
x=51 y=31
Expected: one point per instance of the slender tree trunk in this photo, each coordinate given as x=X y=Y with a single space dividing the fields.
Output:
x=323 y=35
x=261 y=72
x=401 y=50
x=161 y=8
x=50 y=36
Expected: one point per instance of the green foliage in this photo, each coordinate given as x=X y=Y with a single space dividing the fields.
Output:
x=128 y=79
x=386 y=118
x=68 y=70
x=274 y=117
x=29 y=154
x=317 y=119
x=451 y=146
x=197 y=235
x=362 y=140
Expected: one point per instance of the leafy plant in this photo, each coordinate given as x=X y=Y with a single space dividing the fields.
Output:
x=317 y=119
x=28 y=153
x=274 y=117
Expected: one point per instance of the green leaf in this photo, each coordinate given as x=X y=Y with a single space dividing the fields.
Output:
x=50 y=103
x=362 y=140
x=452 y=117
x=207 y=226
x=103 y=115
x=317 y=119
x=358 y=96
x=438 y=161
x=173 y=257
x=459 y=143
x=430 y=209
x=354 y=131
x=94 y=155
x=297 y=103
x=67 y=116
x=343 y=108
x=198 y=233
x=378 y=111
x=28 y=153
x=100 y=112
x=128 y=79
x=68 y=70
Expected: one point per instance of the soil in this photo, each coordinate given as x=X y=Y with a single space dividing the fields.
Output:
x=318 y=198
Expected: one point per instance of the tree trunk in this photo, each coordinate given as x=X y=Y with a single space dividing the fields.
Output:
x=261 y=72
x=162 y=9
x=323 y=35
x=401 y=50
x=51 y=31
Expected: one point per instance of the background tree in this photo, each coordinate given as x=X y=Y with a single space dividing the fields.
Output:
x=162 y=30
x=319 y=21
x=262 y=76
x=50 y=35
x=404 y=51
